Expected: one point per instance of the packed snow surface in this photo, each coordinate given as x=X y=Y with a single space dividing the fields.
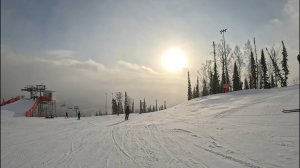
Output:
x=237 y=129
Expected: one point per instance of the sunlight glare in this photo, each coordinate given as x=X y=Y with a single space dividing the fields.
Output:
x=174 y=59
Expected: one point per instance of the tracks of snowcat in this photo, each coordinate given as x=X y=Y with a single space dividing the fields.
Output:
x=150 y=143
x=121 y=149
x=211 y=145
x=174 y=160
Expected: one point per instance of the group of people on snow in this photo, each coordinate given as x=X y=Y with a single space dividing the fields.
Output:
x=127 y=112
x=78 y=115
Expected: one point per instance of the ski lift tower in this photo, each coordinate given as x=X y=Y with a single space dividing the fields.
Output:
x=76 y=108
x=47 y=106
x=44 y=105
x=40 y=89
x=31 y=89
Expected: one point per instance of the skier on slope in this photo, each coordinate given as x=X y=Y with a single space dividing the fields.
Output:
x=78 y=115
x=66 y=116
x=127 y=111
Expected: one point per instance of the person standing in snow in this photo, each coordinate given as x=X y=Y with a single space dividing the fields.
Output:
x=66 y=115
x=78 y=114
x=127 y=111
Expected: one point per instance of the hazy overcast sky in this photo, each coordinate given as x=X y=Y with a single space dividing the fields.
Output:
x=84 y=49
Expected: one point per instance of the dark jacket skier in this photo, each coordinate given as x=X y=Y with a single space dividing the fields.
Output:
x=78 y=115
x=127 y=111
x=66 y=116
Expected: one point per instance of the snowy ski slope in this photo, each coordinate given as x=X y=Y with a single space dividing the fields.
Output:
x=237 y=129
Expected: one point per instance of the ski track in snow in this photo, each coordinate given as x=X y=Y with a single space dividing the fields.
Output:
x=239 y=129
x=121 y=149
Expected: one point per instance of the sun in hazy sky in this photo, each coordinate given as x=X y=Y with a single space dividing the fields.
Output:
x=174 y=59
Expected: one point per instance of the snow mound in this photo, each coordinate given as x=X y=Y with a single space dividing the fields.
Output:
x=16 y=109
